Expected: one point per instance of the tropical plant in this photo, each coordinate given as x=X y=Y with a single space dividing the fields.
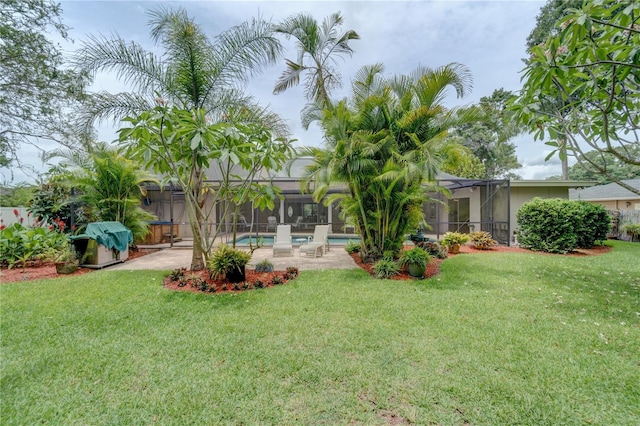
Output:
x=384 y=144
x=632 y=229
x=581 y=86
x=353 y=246
x=264 y=265
x=318 y=49
x=415 y=256
x=110 y=187
x=196 y=80
x=20 y=244
x=385 y=268
x=227 y=260
x=482 y=240
x=454 y=238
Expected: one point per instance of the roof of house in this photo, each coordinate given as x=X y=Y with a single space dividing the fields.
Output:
x=610 y=191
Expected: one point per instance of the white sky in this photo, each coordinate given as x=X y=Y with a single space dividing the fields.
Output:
x=486 y=36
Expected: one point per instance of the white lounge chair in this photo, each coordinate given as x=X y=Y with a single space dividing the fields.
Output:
x=272 y=222
x=319 y=245
x=282 y=241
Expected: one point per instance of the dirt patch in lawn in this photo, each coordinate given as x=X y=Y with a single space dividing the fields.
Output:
x=433 y=268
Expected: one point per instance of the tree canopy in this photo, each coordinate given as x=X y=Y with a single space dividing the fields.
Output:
x=582 y=87
x=36 y=89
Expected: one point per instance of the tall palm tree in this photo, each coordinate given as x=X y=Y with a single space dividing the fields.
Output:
x=194 y=73
x=384 y=145
x=319 y=47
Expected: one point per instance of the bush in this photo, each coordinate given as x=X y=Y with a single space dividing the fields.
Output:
x=385 y=268
x=20 y=244
x=353 y=247
x=434 y=249
x=416 y=256
x=451 y=238
x=482 y=240
x=226 y=260
x=560 y=226
x=264 y=266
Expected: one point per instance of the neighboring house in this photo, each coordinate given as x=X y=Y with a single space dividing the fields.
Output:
x=612 y=196
x=489 y=205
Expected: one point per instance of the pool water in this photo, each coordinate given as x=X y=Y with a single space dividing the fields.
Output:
x=296 y=240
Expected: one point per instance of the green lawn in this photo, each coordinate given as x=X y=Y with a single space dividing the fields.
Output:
x=508 y=338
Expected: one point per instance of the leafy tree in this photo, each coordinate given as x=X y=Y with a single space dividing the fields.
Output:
x=607 y=162
x=181 y=143
x=384 y=144
x=488 y=137
x=552 y=12
x=459 y=161
x=592 y=65
x=197 y=77
x=110 y=187
x=36 y=91
x=319 y=47
x=16 y=195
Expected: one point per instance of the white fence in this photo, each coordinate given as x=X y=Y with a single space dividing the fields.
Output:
x=8 y=216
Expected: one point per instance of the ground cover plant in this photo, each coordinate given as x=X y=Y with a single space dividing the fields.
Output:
x=496 y=338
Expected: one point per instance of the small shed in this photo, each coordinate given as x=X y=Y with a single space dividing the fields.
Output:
x=103 y=244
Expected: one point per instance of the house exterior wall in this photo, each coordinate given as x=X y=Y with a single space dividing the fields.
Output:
x=521 y=195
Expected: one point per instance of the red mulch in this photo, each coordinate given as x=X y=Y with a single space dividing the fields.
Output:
x=433 y=268
x=36 y=271
x=47 y=270
x=224 y=286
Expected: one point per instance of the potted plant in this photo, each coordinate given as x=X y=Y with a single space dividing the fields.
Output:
x=632 y=229
x=229 y=263
x=453 y=241
x=264 y=266
x=66 y=260
x=416 y=261
x=482 y=240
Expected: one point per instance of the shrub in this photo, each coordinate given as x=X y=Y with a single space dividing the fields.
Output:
x=291 y=273
x=452 y=238
x=277 y=280
x=482 y=240
x=415 y=256
x=434 y=249
x=226 y=260
x=559 y=226
x=177 y=273
x=258 y=284
x=353 y=247
x=20 y=244
x=592 y=223
x=264 y=266
x=385 y=268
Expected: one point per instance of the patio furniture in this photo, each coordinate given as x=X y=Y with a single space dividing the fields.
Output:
x=242 y=223
x=319 y=243
x=272 y=222
x=298 y=222
x=282 y=241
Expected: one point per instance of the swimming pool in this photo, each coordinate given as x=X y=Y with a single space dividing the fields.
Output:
x=295 y=240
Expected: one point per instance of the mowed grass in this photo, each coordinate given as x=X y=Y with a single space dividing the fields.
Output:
x=510 y=338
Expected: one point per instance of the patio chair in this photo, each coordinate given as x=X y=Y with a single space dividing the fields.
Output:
x=282 y=241
x=319 y=244
x=298 y=222
x=272 y=222
x=242 y=223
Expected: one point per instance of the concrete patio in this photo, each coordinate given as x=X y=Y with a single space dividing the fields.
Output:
x=180 y=256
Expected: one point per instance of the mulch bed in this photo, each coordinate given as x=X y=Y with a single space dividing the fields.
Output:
x=433 y=268
x=224 y=286
x=47 y=270
x=36 y=271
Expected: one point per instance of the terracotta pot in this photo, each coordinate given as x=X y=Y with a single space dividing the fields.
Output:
x=455 y=248
x=66 y=267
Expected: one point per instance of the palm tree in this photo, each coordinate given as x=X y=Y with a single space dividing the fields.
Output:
x=318 y=49
x=193 y=74
x=385 y=144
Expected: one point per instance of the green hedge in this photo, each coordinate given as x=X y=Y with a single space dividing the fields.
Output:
x=560 y=226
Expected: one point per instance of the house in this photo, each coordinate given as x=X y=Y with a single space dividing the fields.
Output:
x=473 y=204
x=612 y=196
